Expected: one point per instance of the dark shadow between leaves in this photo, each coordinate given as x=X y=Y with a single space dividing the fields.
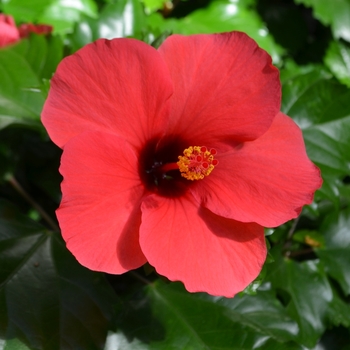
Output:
x=135 y=318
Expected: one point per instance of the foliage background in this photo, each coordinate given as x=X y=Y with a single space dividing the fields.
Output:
x=300 y=300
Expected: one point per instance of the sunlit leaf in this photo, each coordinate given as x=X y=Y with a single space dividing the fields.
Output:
x=337 y=60
x=13 y=344
x=335 y=13
x=118 y=341
x=62 y=14
x=24 y=10
x=19 y=94
x=220 y=16
x=23 y=70
x=123 y=18
x=336 y=253
x=153 y=5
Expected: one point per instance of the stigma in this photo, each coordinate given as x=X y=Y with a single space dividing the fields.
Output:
x=197 y=162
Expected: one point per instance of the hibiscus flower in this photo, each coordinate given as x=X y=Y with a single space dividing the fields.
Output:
x=177 y=156
x=8 y=30
x=26 y=29
x=10 y=34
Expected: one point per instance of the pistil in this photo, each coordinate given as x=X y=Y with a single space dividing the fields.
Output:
x=197 y=162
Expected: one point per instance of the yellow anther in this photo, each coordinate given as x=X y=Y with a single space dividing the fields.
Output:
x=197 y=162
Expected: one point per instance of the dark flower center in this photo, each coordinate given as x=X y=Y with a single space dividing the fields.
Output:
x=165 y=171
x=155 y=172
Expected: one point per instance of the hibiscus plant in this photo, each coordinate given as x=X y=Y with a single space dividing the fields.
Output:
x=174 y=174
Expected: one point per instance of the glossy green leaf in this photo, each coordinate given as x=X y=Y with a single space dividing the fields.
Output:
x=124 y=18
x=62 y=14
x=308 y=295
x=172 y=318
x=307 y=96
x=320 y=106
x=20 y=99
x=13 y=344
x=328 y=144
x=335 y=13
x=220 y=16
x=262 y=312
x=336 y=253
x=118 y=341
x=337 y=60
x=23 y=68
x=48 y=299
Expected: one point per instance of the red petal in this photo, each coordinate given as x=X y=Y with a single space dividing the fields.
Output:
x=8 y=31
x=225 y=86
x=206 y=252
x=100 y=211
x=119 y=86
x=265 y=181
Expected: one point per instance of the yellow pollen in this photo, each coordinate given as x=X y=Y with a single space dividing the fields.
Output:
x=197 y=162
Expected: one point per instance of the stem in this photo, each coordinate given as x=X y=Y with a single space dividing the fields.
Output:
x=290 y=254
x=139 y=277
x=17 y=186
x=292 y=229
x=288 y=242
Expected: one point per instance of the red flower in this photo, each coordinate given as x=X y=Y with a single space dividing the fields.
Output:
x=138 y=126
x=8 y=30
x=26 y=28
x=10 y=34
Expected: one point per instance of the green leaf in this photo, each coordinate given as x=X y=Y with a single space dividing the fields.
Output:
x=42 y=53
x=13 y=344
x=168 y=317
x=118 y=341
x=48 y=300
x=123 y=18
x=19 y=94
x=307 y=96
x=339 y=311
x=220 y=16
x=62 y=14
x=25 y=69
x=308 y=295
x=335 y=255
x=153 y=5
x=335 y=13
x=24 y=10
x=337 y=59
x=262 y=312
x=320 y=106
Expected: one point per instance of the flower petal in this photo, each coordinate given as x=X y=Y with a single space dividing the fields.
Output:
x=100 y=210
x=8 y=31
x=265 y=181
x=119 y=86
x=225 y=86
x=206 y=252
